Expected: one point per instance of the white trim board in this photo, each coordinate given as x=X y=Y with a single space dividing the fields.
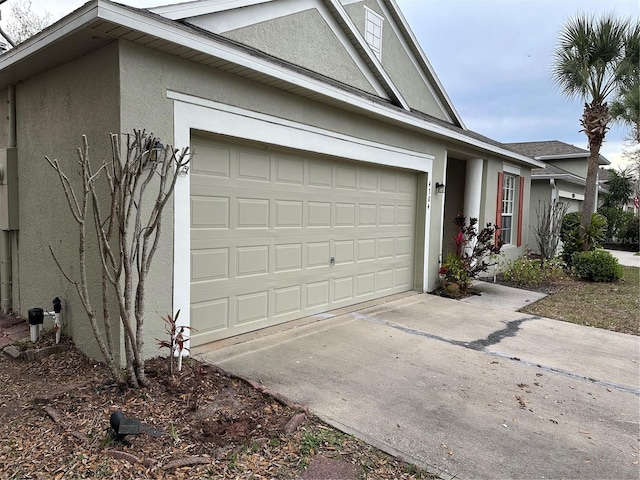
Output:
x=193 y=113
x=571 y=195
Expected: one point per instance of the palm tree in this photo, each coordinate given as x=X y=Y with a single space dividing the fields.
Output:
x=594 y=60
x=626 y=109
x=620 y=186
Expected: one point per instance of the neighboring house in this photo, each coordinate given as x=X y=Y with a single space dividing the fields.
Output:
x=563 y=176
x=319 y=131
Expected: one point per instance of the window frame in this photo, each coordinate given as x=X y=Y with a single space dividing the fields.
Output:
x=373 y=31
x=508 y=208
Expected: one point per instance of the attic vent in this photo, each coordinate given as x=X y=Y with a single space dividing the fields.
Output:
x=373 y=33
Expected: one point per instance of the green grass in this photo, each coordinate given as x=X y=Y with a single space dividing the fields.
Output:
x=611 y=306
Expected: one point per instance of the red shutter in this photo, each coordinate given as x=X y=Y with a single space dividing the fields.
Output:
x=499 y=205
x=520 y=201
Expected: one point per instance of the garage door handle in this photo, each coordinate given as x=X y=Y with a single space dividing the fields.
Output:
x=332 y=261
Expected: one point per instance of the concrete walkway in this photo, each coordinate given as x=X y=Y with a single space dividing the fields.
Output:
x=470 y=391
x=629 y=259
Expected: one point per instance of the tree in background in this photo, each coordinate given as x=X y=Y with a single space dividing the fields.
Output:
x=595 y=60
x=23 y=22
x=626 y=108
x=620 y=186
x=626 y=111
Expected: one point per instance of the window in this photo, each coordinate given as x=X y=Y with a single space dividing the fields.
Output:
x=373 y=33
x=508 y=203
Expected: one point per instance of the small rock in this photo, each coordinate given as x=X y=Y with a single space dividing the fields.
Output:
x=293 y=424
x=12 y=351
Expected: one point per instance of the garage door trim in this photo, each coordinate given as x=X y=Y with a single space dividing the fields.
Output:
x=192 y=113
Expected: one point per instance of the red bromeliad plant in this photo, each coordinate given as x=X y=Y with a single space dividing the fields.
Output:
x=472 y=252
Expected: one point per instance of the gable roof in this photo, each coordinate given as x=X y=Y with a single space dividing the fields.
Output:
x=99 y=22
x=197 y=8
x=552 y=150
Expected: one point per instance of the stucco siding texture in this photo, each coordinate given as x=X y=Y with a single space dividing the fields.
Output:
x=53 y=111
x=307 y=40
x=4 y=122
x=397 y=62
x=577 y=166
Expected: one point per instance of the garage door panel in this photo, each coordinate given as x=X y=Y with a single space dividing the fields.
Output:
x=288 y=257
x=252 y=213
x=319 y=214
x=277 y=236
x=320 y=175
x=289 y=171
x=210 y=264
x=253 y=166
x=252 y=307
x=388 y=182
x=317 y=294
x=365 y=284
x=287 y=300
x=343 y=288
x=210 y=212
x=346 y=178
x=385 y=280
x=211 y=159
x=213 y=315
x=288 y=213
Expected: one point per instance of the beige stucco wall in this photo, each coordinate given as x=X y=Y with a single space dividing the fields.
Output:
x=397 y=63
x=307 y=40
x=53 y=110
x=577 y=166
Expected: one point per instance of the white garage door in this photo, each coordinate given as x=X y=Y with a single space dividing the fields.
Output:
x=277 y=235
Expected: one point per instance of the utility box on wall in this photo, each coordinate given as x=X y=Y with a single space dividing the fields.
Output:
x=9 y=189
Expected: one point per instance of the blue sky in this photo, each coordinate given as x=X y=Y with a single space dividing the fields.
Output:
x=493 y=58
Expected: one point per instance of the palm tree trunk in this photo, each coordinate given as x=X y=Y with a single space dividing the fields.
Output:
x=594 y=121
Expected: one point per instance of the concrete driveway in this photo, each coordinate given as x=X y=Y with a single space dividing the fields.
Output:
x=469 y=391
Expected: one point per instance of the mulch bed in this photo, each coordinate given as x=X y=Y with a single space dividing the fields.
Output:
x=54 y=424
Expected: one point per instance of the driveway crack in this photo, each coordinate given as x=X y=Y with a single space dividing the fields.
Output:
x=510 y=330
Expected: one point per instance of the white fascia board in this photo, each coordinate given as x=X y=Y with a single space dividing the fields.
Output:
x=563 y=156
x=139 y=21
x=560 y=176
x=572 y=195
x=335 y=4
x=199 y=7
x=423 y=57
x=512 y=169
x=601 y=160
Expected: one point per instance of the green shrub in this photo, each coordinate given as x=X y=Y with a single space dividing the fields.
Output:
x=617 y=221
x=631 y=237
x=531 y=273
x=569 y=233
x=570 y=223
x=597 y=266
